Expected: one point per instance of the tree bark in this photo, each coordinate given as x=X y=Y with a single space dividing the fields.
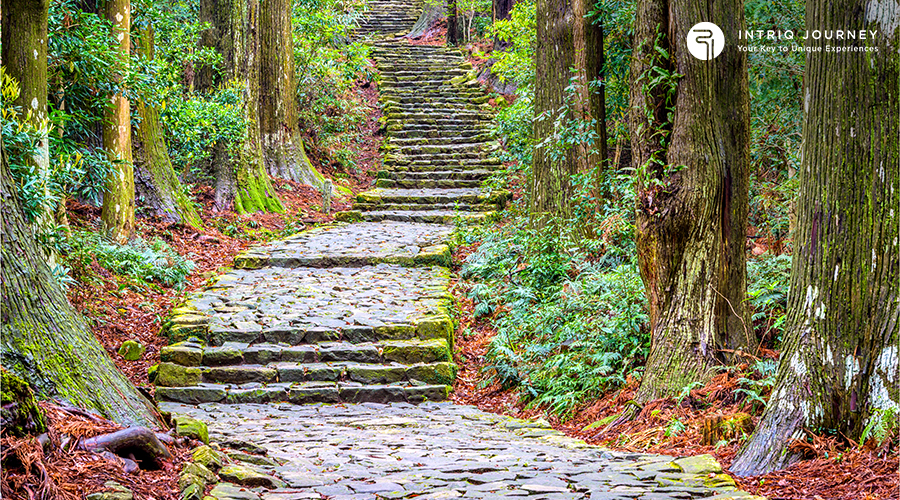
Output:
x=839 y=362
x=282 y=145
x=690 y=147
x=44 y=340
x=453 y=27
x=25 y=58
x=570 y=51
x=118 y=198
x=241 y=178
x=155 y=180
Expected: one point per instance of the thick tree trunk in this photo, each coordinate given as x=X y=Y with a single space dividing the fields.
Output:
x=118 y=198
x=241 y=178
x=454 y=30
x=430 y=13
x=155 y=180
x=570 y=51
x=25 y=58
x=282 y=145
x=839 y=362
x=690 y=147
x=44 y=340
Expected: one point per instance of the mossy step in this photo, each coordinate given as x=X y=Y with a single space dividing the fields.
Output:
x=429 y=216
x=441 y=140
x=491 y=166
x=173 y=375
x=237 y=353
x=430 y=183
x=432 y=196
x=466 y=207
x=304 y=393
x=478 y=175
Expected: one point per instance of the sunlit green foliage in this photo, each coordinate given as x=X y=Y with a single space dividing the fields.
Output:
x=139 y=260
x=568 y=328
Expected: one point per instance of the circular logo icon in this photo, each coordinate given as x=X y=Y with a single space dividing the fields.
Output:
x=705 y=41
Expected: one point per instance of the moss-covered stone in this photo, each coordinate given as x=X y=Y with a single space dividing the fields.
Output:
x=114 y=491
x=410 y=352
x=131 y=350
x=395 y=331
x=219 y=356
x=182 y=353
x=251 y=260
x=192 y=428
x=348 y=216
x=208 y=457
x=172 y=375
x=433 y=373
x=199 y=470
x=250 y=477
x=699 y=464
x=435 y=327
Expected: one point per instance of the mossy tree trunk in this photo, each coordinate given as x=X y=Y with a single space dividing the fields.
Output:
x=569 y=56
x=44 y=340
x=118 y=197
x=25 y=58
x=839 y=363
x=241 y=178
x=155 y=180
x=283 y=151
x=690 y=147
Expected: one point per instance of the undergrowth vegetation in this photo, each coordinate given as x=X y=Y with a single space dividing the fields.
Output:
x=569 y=311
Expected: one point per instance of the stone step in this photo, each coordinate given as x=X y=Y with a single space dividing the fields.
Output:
x=430 y=183
x=446 y=139
x=236 y=353
x=462 y=134
x=174 y=375
x=460 y=150
x=468 y=207
x=478 y=175
x=474 y=196
x=427 y=216
x=303 y=393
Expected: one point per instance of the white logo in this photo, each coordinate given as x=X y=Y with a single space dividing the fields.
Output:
x=705 y=41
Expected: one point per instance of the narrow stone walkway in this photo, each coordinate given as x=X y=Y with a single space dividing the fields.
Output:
x=332 y=349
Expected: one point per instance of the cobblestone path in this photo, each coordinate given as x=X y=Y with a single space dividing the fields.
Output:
x=441 y=450
x=332 y=349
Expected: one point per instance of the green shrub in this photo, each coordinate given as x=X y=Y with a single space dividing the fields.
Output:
x=145 y=262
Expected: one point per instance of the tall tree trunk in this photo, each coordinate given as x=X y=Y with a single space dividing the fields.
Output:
x=570 y=51
x=453 y=27
x=25 y=59
x=839 y=362
x=282 y=145
x=118 y=198
x=690 y=147
x=44 y=340
x=241 y=178
x=155 y=180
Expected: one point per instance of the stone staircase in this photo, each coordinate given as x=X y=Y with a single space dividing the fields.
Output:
x=439 y=148
x=342 y=313
x=388 y=17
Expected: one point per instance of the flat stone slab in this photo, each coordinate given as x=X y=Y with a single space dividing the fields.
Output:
x=439 y=450
x=312 y=305
x=341 y=245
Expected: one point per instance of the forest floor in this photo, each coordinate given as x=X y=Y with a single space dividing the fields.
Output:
x=832 y=469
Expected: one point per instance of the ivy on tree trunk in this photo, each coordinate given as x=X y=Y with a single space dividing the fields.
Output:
x=839 y=361
x=690 y=130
